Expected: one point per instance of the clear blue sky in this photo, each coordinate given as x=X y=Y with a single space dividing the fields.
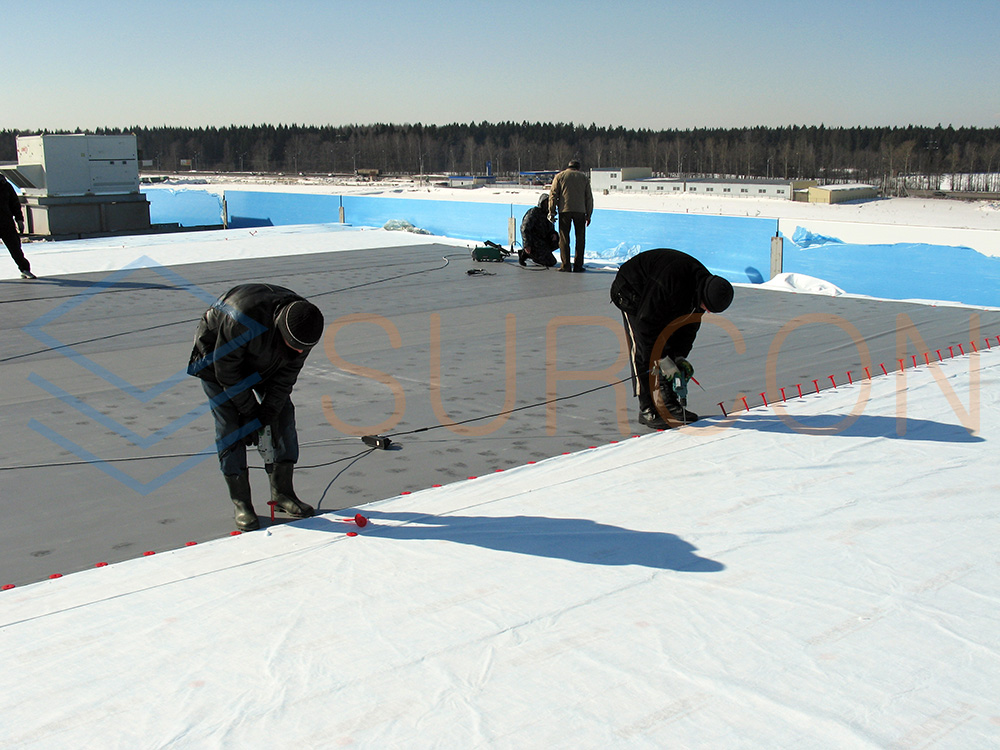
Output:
x=639 y=64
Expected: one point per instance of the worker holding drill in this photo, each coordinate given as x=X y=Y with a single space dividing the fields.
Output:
x=663 y=294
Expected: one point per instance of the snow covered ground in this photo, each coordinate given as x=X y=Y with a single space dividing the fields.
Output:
x=908 y=212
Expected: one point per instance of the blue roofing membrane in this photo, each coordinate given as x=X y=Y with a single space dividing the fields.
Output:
x=733 y=246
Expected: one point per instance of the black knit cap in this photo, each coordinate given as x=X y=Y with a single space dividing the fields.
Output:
x=300 y=324
x=716 y=294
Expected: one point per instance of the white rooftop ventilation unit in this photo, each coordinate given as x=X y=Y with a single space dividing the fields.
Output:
x=76 y=185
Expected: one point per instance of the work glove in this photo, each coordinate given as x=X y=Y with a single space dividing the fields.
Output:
x=252 y=437
x=20 y=227
x=268 y=418
x=666 y=368
x=685 y=367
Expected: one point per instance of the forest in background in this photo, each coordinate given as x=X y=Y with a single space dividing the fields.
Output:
x=893 y=158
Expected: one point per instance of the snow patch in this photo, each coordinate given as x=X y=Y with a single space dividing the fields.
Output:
x=797 y=282
x=401 y=225
x=614 y=255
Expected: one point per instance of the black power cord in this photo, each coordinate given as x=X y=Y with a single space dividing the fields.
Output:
x=384 y=441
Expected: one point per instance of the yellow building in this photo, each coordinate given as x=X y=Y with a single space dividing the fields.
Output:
x=842 y=193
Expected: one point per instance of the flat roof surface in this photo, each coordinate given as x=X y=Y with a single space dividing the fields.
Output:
x=851 y=186
x=111 y=459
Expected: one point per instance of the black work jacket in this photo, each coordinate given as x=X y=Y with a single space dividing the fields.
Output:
x=660 y=288
x=238 y=343
x=10 y=205
x=536 y=230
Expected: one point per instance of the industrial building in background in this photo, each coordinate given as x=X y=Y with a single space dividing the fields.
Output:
x=640 y=180
x=79 y=185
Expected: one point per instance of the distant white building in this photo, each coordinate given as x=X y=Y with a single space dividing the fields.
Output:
x=640 y=180
x=469 y=180
x=613 y=179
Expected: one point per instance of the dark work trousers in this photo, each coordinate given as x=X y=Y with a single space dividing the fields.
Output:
x=12 y=240
x=578 y=220
x=230 y=431
x=640 y=343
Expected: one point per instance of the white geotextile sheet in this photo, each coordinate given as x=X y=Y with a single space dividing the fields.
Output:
x=736 y=583
x=154 y=250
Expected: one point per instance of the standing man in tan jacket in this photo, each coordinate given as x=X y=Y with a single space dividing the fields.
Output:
x=572 y=197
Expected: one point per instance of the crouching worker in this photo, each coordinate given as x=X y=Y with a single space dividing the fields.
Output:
x=248 y=351
x=539 y=240
x=665 y=292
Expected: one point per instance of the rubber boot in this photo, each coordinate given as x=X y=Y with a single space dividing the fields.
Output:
x=677 y=412
x=649 y=417
x=282 y=493
x=239 y=492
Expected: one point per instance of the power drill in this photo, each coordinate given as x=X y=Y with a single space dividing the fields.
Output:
x=675 y=375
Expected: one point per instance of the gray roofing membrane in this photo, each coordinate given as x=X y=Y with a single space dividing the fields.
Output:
x=109 y=452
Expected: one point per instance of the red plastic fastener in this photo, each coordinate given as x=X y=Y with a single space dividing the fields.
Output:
x=850 y=380
x=149 y=553
x=360 y=520
x=352 y=533
x=884 y=371
x=723 y=409
x=961 y=349
x=951 y=351
x=763 y=398
x=745 y=403
x=816 y=384
x=927 y=358
x=939 y=355
x=7 y=587
x=868 y=374
x=799 y=386
x=101 y=565
x=834 y=382
x=54 y=576
x=782 y=394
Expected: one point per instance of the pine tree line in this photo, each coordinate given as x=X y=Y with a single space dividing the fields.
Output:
x=889 y=157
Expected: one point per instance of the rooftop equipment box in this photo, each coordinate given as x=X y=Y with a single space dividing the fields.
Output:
x=80 y=164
